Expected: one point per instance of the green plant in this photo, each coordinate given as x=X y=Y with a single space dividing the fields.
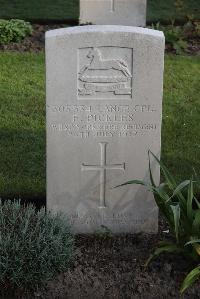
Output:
x=34 y=246
x=181 y=209
x=103 y=233
x=191 y=29
x=174 y=36
x=14 y=30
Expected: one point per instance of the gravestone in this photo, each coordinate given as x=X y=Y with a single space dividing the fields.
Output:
x=113 y=12
x=104 y=106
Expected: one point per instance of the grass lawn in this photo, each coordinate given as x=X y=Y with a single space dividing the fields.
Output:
x=165 y=10
x=158 y=10
x=22 y=121
x=22 y=125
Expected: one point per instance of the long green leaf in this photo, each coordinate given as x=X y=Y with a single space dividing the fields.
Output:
x=150 y=172
x=169 y=178
x=176 y=213
x=162 y=200
x=165 y=247
x=171 y=182
x=190 y=197
x=180 y=187
x=137 y=182
x=190 y=279
x=197 y=202
x=192 y=242
x=196 y=223
x=160 y=190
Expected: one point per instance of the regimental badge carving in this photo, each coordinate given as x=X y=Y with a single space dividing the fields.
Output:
x=105 y=73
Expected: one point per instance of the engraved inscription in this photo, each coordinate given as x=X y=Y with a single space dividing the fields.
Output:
x=105 y=73
x=107 y=121
x=103 y=167
x=100 y=218
x=102 y=108
x=114 y=221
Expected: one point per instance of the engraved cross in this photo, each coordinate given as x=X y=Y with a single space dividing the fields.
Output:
x=103 y=167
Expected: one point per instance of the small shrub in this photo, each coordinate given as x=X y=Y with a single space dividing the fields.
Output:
x=103 y=233
x=191 y=30
x=178 y=37
x=34 y=246
x=181 y=209
x=14 y=30
x=174 y=37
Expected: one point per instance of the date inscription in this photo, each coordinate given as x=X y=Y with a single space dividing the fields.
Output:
x=97 y=121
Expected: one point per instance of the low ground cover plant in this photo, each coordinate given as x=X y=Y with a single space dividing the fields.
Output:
x=14 y=30
x=177 y=37
x=181 y=209
x=34 y=246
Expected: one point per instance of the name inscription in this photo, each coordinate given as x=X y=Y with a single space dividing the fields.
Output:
x=93 y=121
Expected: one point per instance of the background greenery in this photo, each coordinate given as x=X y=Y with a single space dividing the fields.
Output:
x=14 y=30
x=165 y=10
x=22 y=121
x=66 y=10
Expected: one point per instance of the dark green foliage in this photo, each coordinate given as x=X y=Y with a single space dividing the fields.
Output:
x=181 y=209
x=34 y=246
x=103 y=233
x=166 y=11
x=190 y=278
x=66 y=10
x=177 y=36
x=174 y=37
x=34 y=10
x=14 y=30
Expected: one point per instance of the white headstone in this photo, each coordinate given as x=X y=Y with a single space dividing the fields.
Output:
x=113 y=12
x=104 y=106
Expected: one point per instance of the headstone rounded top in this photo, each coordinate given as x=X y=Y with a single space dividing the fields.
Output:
x=102 y=29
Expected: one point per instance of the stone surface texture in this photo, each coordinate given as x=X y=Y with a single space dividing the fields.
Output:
x=104 y=89
x=113 y=12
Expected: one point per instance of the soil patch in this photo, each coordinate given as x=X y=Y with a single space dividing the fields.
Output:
x=36 y=41
x=113 y=267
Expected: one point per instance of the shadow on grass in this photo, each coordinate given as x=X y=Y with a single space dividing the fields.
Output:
x=23 y=164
